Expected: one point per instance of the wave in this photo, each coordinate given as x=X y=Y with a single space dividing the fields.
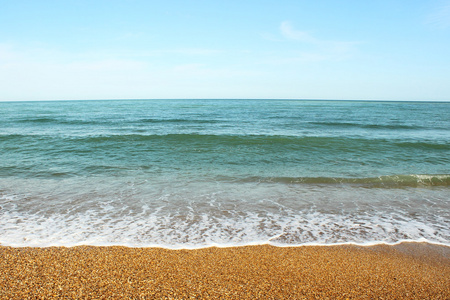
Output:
x=238 y=139
x=188 y=137
x=199 y=230
x=255 y=145
x=389 y=181
x=270 y=138
x=369 y=126
x=438 y=146
x=38 y=120
x=273 y=155
x=58 y=121
x=80 y=122
x=188 y=121
x=63 y=120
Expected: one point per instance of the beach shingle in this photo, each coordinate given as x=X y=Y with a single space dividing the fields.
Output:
x=406 y=271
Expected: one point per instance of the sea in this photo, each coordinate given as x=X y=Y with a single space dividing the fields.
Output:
x=198 y=173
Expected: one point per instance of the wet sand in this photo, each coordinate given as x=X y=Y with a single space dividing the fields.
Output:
x=403 y=271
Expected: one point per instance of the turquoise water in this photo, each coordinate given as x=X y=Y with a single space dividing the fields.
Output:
x=195 y=173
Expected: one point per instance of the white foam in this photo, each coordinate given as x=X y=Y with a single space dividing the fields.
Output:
x=191 y=216
x=156 y=230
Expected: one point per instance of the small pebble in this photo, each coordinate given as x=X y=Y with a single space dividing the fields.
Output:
x=404 y=271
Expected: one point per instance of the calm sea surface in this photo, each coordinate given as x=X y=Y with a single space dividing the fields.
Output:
x=195 y=173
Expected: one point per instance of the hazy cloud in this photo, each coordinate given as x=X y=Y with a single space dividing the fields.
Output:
x=440 y=18
x=51 y=74
x=7 y=54
x=290 y=33
x=194 y=51
x=108 y=65
x=318 y=49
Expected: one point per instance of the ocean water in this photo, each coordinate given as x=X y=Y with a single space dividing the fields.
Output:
x=198 y=173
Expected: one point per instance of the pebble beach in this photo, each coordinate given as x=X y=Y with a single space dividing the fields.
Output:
x=402 y=271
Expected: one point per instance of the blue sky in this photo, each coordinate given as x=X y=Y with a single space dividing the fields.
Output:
x=381 y=50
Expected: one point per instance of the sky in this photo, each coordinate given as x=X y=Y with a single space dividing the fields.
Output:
x=300 y=49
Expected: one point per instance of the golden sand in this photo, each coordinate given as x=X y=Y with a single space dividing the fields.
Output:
x=405 y=271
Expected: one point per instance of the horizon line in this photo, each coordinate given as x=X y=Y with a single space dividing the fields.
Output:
x=221 y=99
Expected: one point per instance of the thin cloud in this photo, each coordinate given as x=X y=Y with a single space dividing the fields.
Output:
x=319 y=49
x=194 y=51
x=176 y=51
x=290 y=33
x=440 y=18
x=7 y=54
x=56 y=74
x=299 y=57
x=107 y=65
x=203 y=70
x=271 y=37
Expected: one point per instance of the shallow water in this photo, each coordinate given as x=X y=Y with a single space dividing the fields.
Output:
x=195 y=173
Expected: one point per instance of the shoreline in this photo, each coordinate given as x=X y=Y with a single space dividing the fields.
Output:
x=220 y=246
x=410 y=270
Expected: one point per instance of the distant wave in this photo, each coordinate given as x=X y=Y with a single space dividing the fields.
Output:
x=57 y=121
x=109 y=121
x=48 y=120
x=250 y=138
x=273 y=143
x=370 y=126
x=389 y=181
x=189 y=121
